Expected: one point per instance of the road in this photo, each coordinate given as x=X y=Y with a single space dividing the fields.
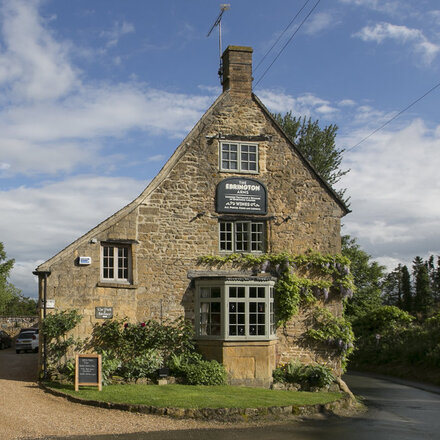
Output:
x=396 y=411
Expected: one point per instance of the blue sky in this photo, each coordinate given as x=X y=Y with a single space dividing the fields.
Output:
x=96 y=95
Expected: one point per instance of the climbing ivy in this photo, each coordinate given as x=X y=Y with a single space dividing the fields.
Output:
x=294 y=291
x=333 y=331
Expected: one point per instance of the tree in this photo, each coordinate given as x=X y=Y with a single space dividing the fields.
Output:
x=434 y=278
x=392 y=288
x=407 y=300
x=316 y=144
x=396 y=288
x=7 y=290
x=367 y=279
x=422 y=290
x=11 y=301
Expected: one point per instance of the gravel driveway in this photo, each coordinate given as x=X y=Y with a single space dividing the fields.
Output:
x=27 y=412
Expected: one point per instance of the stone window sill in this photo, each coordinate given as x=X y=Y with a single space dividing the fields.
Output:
x=117 y=285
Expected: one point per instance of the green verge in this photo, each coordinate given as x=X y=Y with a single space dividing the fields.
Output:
x=196 y=397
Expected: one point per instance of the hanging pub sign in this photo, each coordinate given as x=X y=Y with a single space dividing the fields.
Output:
x=236 y=195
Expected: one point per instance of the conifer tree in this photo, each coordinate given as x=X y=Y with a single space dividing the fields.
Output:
x=422 y=290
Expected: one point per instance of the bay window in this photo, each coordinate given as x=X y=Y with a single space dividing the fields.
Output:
x=230 y=309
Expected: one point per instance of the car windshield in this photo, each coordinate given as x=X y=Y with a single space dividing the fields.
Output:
x=25 y=336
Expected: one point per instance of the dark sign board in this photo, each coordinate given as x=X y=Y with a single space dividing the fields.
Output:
x=103 y=312
x=236 y=195
x=88 y=370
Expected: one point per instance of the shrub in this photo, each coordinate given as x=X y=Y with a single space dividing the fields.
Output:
x=306 y=376
x=193 y=370
x=54 y=329
x=205 y=373
x=141 y=366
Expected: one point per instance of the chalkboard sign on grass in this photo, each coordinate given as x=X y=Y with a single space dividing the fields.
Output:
x=88 y=370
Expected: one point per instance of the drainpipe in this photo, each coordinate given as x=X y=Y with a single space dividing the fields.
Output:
x=44 y=276
x=44 y=317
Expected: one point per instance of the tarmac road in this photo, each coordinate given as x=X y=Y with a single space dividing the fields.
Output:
x=396 y=411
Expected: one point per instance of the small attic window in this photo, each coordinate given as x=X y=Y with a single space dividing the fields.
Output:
x=238 y=157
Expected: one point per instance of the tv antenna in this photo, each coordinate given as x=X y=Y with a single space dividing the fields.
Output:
x=218 y=22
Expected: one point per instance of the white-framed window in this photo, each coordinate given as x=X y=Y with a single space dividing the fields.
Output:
x=239 y=157
x=116 y=262
x=235 y=310
x=242 y=236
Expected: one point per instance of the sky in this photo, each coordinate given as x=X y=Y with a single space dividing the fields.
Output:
x=95 y=96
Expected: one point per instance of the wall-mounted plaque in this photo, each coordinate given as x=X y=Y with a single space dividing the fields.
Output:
x=237 y=195
x=103 y=312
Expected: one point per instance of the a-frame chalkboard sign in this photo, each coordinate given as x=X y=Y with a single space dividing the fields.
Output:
x=88 y=371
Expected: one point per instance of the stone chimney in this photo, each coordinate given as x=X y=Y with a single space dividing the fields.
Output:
x=237 y=70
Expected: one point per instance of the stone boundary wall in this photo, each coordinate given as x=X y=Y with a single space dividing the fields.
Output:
x=13 y=324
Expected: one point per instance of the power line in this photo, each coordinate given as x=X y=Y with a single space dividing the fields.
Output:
x=394 y=117
x=288 y=41
x=281 y=35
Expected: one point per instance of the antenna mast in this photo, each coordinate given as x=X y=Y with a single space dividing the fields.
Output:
x=218 y=22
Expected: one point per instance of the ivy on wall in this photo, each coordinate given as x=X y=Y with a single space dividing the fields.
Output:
x=302 y=281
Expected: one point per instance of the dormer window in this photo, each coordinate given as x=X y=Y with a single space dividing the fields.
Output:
x=239 y=157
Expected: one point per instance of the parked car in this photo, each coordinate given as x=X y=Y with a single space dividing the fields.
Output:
x=27 y=340
x=30 y=329
x=5 y=340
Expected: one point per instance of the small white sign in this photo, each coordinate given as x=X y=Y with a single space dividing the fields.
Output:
x=84 y=261
x=50 y=303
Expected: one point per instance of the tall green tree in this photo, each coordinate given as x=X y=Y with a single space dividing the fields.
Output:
x=392 y=288
x=407 y=299
x=367 y=276
x=12 y=303
x=396 y=289
x=434 y=278
x=7 y=290
x=317 y=144
x=423 y=299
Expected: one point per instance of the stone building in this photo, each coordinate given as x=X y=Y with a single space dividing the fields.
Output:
x=236 y=184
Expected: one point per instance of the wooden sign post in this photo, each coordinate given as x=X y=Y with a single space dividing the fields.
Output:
x=88 y=371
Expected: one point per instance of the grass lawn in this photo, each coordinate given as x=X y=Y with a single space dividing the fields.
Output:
x=187 y=396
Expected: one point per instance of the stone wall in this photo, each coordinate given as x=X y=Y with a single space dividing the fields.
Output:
x=13 y=324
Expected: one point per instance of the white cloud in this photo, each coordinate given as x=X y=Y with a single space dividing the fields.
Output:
x=303 y=105
x=394 y=188
x=36 y=223
x=388 y=6
x=347 y=103
x=402 y=34
x=119 y=30
x=52 y=122
x=319 y=22
x=33 y=64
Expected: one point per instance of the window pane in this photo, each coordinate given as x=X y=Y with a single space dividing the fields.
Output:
x=236 y=319
x=108 y=262
x=226 y=236
x=257 y=234
x=229 y=156
x=241 y=236
x=210 y=318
